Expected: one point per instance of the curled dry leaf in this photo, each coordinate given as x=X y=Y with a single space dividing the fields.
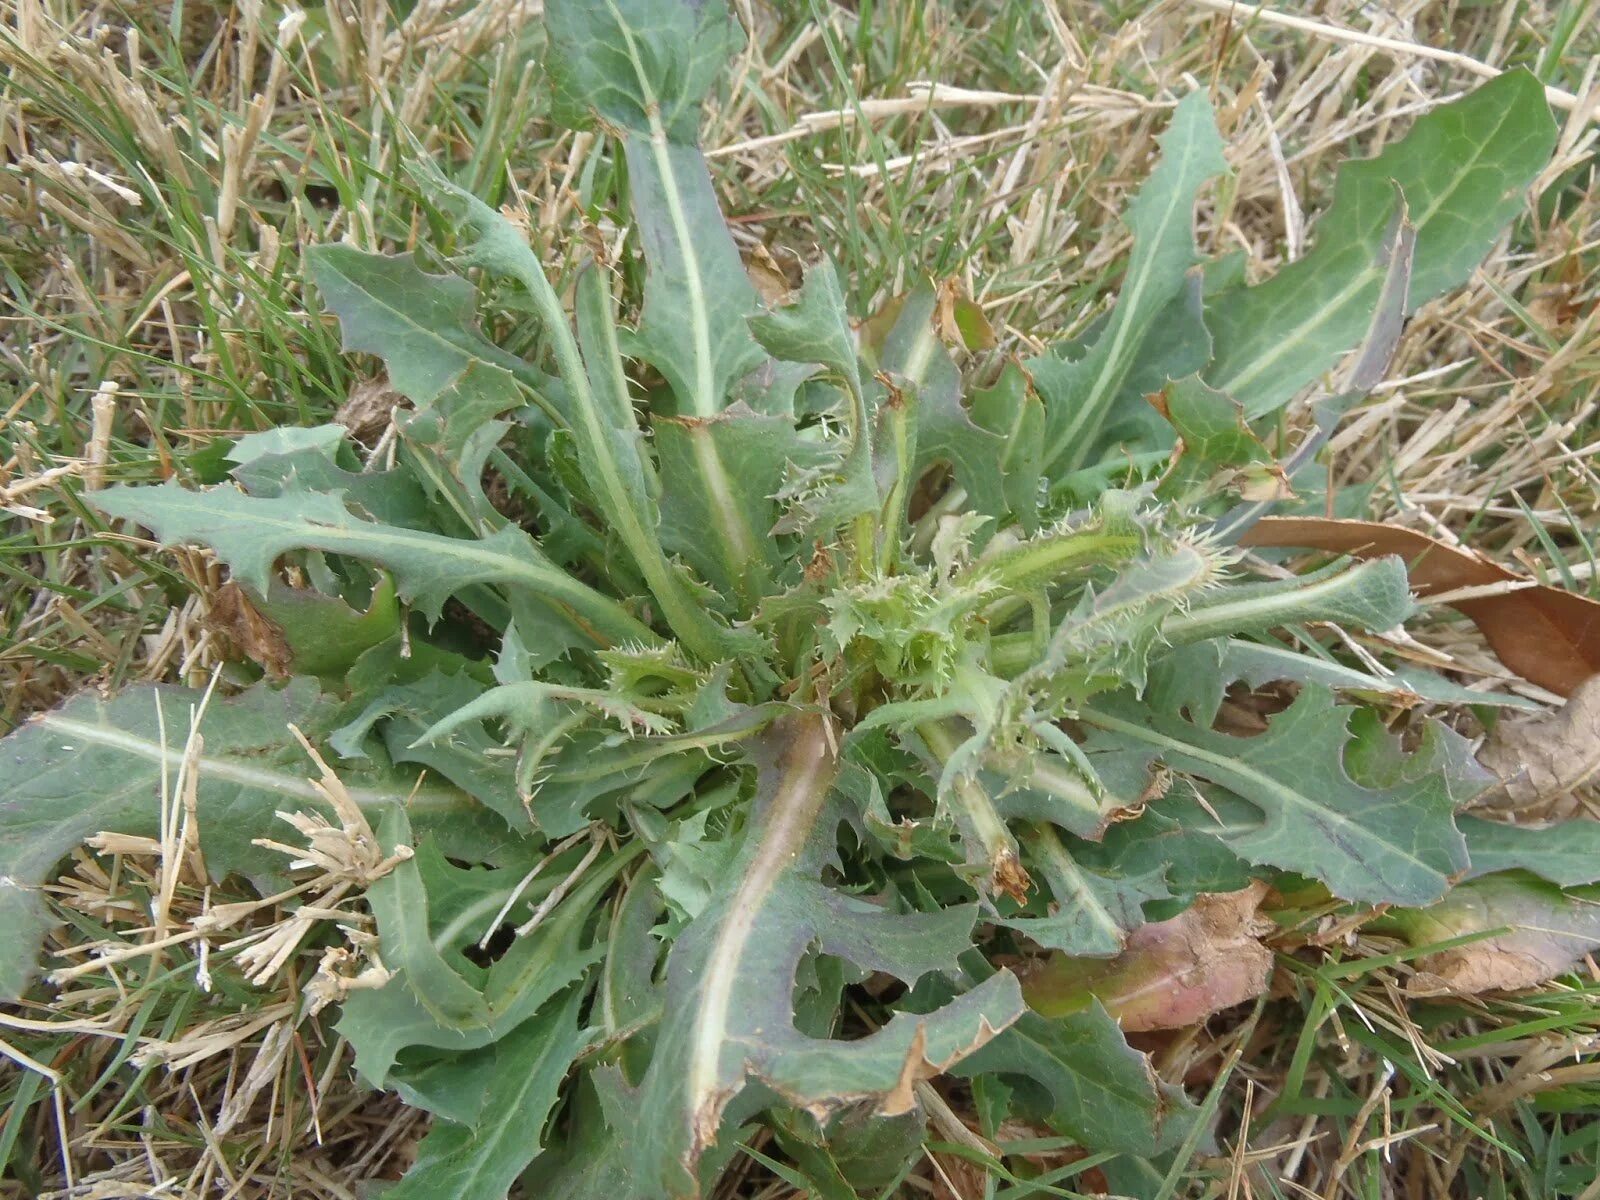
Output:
x=1173 y=973
x=1539 y=932
x=1544 y=761
x=1547 y=635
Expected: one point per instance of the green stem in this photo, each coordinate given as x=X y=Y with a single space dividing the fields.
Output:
x=1042 y=560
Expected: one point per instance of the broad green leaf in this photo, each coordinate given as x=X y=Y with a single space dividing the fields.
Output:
x=595 y=1159
x=642 y=68
x=693 y=330
x=98 y=765
x=1175 y=838
x=1463 y=169
x=1182 y=349
x=1078 y=394
x=324 y=441
x=859 y=1154
x=1012 y=411
x=1372 y=595
x=324 y=634
x=1197 y=675
x=1567 y=853
x=813 y=329
x=628 y=999
x=1214 y=440
x=638 y=64
x=1392 y=842
x=945 y=433
x=250 y=533
x=697 y=297
x=481 y=1158
x=731 y=977
x=391 y=497
x=1089 y=1083
x=403 y=711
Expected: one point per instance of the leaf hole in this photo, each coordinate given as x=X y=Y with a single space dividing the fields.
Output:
x=494 y=949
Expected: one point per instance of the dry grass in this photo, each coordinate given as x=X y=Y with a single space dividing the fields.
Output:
x=159 y=185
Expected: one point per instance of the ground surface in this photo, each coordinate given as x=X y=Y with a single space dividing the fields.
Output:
x=165 y=165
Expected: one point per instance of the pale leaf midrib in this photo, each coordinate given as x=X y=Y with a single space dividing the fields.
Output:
x=226 y=770
x=795 y=807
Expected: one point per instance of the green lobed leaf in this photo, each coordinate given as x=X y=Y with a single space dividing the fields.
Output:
x=815 y=328
x=1567 y=853
x=391 y=497
x=1463 y=169
x=594 y=1160
x=324 y=634
x=479 y=1159
x=1013 y=412
x=402 y=712
x=731 y=977
x=1091 y=912
x=946 y=433
x=425 y=328
x=697 y=297
x=1388 y=839
x=603 y=426
x=749 y=454
x=249 y=533
x=1197 y=675
x=1371 y=595
x=1093 y=1086
x=642 y=68
x=1214 y=438
x=693 y=329
x=428 y=912
x=638 y=64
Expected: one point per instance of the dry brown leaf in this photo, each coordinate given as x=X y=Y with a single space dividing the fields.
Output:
x=775 y=285
x=1547 y=635
x=1547 y=931
x=1545 y=759
x=248 y=632
x=366 y=411
x=1173 y=973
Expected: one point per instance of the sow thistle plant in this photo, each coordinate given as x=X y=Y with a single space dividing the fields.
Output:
x=812 y=665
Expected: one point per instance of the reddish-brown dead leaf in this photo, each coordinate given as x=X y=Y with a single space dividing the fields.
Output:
x=1173 y=973
x=1545 y=931
x=1547 y=635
